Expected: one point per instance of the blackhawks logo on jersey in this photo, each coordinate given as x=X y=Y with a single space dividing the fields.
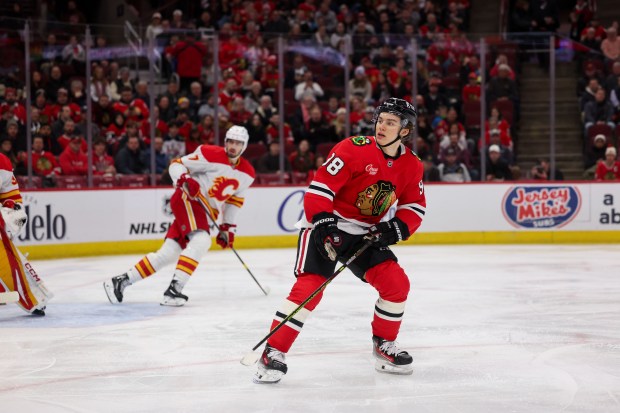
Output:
x=360 y=140
x=376 y=199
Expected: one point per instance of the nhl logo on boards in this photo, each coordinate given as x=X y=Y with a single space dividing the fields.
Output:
x=541 y=206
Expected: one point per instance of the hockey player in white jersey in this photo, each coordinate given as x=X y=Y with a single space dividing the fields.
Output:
x=223 y=176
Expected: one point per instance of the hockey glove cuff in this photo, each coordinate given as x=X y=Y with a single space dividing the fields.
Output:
x=326 y=235
x=226 y=236
x=189 y=185
x=389 y=232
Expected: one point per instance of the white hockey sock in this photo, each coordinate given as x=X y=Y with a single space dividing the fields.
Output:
x=198 y=245
x=155 y=261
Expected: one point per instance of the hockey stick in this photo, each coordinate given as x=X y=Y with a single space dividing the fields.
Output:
x=9 y=297
x=203 y=201
x=252 y=357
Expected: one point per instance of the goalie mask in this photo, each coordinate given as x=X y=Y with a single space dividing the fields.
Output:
x=404 y=110
x=238 y=133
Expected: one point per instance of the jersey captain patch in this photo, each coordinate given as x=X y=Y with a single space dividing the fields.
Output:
x=376 y=198
x=360 y=140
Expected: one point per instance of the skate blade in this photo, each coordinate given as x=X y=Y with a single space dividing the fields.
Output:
x=173 y=302
x=269 y=377
x=383 y=367
x=108 y=286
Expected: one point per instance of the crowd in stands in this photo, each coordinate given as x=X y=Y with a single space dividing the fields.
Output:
x=598 y=91
x=314 y=117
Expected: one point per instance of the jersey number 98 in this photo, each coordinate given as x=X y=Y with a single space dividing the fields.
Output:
x=333 y=164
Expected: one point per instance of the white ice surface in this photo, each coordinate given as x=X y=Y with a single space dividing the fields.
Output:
x=490 y=328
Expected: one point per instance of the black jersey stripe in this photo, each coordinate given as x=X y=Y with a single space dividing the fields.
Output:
x=324 y=190
x=421 y=211
x=387 y=314
x=292 y=320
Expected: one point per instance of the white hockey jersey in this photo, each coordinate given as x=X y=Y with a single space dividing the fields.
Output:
x=223 y=184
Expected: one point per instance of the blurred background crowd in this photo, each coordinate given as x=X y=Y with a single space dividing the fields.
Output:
x=301 y=76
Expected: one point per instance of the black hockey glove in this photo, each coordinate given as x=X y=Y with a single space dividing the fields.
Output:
x=326 y=235
x=389 y=232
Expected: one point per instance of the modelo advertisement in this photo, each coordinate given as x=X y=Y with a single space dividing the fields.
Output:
x=138 y=214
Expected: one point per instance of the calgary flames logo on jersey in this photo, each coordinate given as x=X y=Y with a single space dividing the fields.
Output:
x=220 y=188
x=376 y=198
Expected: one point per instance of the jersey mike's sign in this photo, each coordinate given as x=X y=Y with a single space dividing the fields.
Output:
x=541 y=206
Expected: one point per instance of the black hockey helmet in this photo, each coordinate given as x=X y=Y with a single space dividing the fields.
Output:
x=401 y=108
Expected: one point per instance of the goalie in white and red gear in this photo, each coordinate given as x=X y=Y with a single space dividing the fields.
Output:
x=16 y=273
x=223 y=176
x=361 y=179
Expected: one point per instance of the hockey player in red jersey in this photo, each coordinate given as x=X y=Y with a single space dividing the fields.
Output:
x=362 y=177
x=223 y=176
x=16 y=273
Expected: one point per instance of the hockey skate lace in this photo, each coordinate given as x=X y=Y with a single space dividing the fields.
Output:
x=390 y=348
x=276 y=355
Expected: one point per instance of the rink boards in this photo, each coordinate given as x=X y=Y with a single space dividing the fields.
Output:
x=120 y=221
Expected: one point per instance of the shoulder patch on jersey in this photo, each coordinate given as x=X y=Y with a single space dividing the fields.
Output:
x=246 y=167
x=416 y=155
x=360 y=140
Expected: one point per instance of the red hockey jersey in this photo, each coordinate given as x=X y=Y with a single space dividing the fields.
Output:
x=359 y=183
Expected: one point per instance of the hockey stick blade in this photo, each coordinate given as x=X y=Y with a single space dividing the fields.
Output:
x=9 y=297
x=250 y=359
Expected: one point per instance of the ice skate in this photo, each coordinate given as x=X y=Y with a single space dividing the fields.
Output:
x=271 y=366
x=114 y=288
x=391 y=359
x=39 y=312
x=173 y=296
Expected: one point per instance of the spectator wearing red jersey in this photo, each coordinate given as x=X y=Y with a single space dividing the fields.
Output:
x=273 y=130
x=11 y=108
x=44 y=163
x=609 y=169
x=501 y=60
x=189 y=55
x=73 y=160
x=231 y=52
x=69 y=133
x=229 y=93
x=133 y=109
x=238 y=114
x=471 y=91
x=599 y=30
x=207 y=133
x=161 y=127
x=103 y=164
x=62 y=99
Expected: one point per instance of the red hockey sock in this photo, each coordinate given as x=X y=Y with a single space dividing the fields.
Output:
x=304 y=286
x=390 y=280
